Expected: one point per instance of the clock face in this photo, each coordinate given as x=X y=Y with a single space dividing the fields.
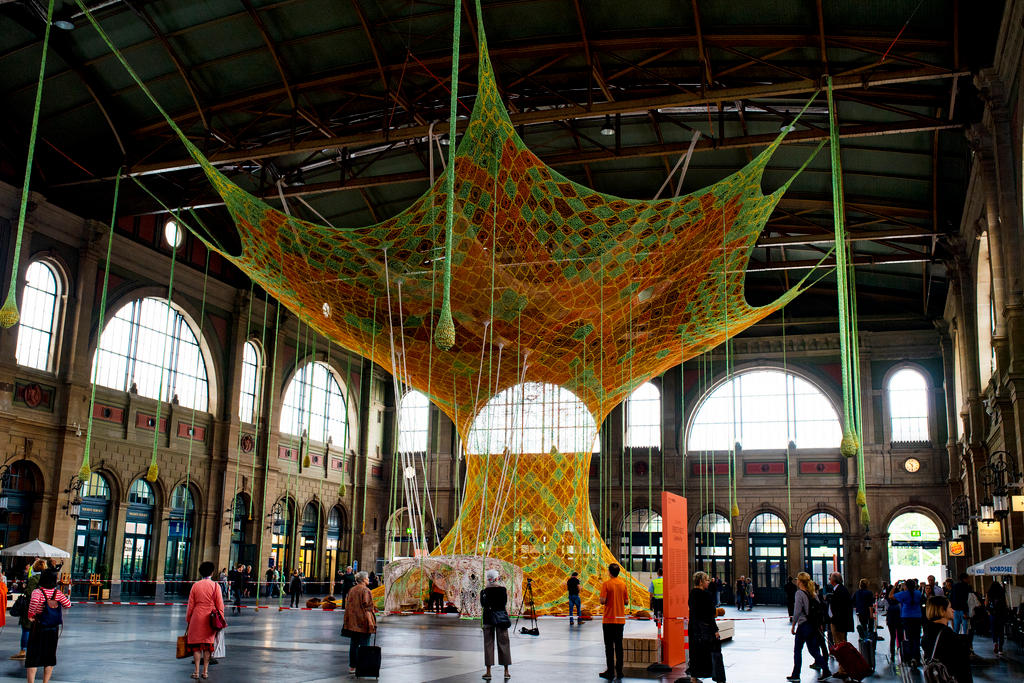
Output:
x=912 y=465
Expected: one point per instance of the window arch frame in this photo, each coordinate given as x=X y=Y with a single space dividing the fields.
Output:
x=57 y=271
x=300 y=410
x=633 y=428
x=258 y=376
x=821 y=385
x=188 y=318
x=929 y=391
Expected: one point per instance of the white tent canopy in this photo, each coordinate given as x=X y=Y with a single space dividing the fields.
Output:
x=34 y=548
x=1006 y=564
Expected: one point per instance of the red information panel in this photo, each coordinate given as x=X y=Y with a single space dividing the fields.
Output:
x=675 y=562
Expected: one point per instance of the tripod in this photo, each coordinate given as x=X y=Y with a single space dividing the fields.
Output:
x=528 y=601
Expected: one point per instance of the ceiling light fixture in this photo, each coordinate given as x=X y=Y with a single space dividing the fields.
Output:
x=607 y=129
x=64 y=25
x=172 y=233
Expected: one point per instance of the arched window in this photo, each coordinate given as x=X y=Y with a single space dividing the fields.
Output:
x=141 y=493
x=764 y=409
x=823 y=546
x=315 y=403
x=95 y=487
x=531 y=418
x=641 y=541
x=38 y=325
x=147 y=340
x=908 y=406
x=413 y=420
x=643 y=415
x=250 y=387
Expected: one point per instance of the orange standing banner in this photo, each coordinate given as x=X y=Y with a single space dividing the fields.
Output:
x=675 y=560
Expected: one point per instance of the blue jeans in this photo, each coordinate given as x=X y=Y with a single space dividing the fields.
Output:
x=356 y=641
x=807 y=634
x=24 y=638
x=574 y=600
x=959 y=621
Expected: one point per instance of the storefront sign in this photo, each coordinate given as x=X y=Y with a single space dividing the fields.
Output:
x=956 y=548
x=990 y=532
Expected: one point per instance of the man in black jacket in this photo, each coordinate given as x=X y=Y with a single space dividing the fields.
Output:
x=295 y=588
x=348 y=580
x=841 y=607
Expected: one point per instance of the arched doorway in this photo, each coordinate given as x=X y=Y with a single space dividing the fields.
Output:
x=282 y=524
x=915 y=548
x=399 y=535
x=242 y=549
x=309 y=537
x=90 y=552
x=180 y=526
x=138 y=540
x=337 y=555
x=768 y=557
x=713 y=550
x=22 y=486
x=823 y=547
x=641 y=541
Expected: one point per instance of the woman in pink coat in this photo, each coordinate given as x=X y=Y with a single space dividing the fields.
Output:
x=203 y=599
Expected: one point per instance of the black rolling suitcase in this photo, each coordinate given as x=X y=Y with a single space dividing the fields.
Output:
x=867 y=645
x=368 y=660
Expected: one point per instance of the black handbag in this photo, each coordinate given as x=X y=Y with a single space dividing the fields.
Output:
x=500 y=619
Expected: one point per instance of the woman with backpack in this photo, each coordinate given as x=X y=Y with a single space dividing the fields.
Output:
x=807 y=621
x=35 y=571
x=943 y=646
x=205 y=609
x=46 y=616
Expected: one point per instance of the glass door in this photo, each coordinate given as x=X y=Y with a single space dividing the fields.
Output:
x=768 y=568
x=135 y=560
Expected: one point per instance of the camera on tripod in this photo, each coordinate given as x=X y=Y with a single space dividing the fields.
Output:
x=528 y=601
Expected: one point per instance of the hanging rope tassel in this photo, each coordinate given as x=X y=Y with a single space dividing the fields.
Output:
x=444 y=334
x=9 y=315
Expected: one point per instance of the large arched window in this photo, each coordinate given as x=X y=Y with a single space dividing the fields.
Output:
x=149 y=340
x=38 y=325
x=315 y=404
x=643 y=415
x=413 y=421
x=908 y=406
x=764 y=409
x=250 y=387
x=533 y=417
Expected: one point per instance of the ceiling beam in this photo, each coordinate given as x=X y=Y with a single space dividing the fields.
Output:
x=828 y=238
x=638 y=106
x=830 y=262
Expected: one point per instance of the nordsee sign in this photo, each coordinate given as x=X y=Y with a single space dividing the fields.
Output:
x=999 y=569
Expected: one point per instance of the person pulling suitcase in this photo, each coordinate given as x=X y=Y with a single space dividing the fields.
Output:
x=360 y=622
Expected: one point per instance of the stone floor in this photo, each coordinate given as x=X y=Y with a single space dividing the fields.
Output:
x=109 y=643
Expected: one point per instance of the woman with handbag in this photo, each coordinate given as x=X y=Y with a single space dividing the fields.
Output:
x=360 y=621
x=705 y=643
x=45 y=614
x=496 y=622
x=204 y=617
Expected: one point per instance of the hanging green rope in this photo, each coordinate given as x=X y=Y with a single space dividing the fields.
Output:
x=852 y=444
x=444 y=334
x=86 y=471
x=199 y=360
x=153 y=472
x=9 y=315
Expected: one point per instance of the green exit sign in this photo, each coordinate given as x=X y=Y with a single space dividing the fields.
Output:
x=915 y=533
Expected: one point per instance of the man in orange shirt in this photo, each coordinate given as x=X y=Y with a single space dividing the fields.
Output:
x=613 y=597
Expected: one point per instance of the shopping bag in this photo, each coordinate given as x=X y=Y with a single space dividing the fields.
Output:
x=218 y=645
x=181 y=652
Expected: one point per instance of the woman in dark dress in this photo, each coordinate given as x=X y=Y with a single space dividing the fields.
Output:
x=493 y=599
x=704 y=639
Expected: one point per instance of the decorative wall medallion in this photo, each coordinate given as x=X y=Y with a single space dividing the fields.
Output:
x=248 y=443
x=33 y=395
